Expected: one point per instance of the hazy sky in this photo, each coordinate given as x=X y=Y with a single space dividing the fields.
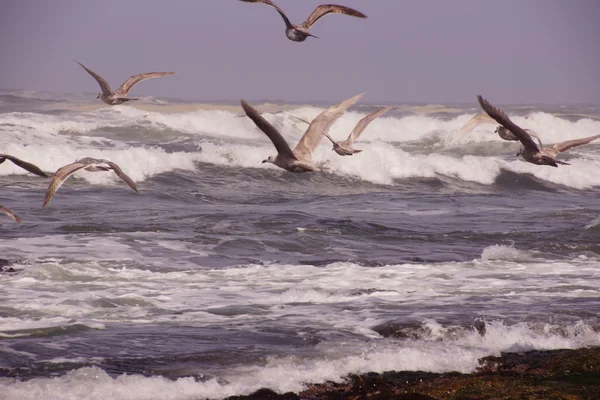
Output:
x=511 y=51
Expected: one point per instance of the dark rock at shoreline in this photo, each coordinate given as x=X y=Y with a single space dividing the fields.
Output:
x=6 y=266
x=536 y=375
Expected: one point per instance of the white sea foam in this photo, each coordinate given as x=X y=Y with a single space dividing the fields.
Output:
x=136 y=293
x=506 y=253
x=77 y=290
x=285 y=374
x=228 y=124
x=550 y=128
x=231 y=140
x=385 y=163
x=593 y=224
x=139 y=163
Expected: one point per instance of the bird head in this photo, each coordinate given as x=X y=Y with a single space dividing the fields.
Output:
x=269 y=159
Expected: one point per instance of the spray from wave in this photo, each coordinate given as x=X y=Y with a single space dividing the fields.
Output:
x=394 y=147
x=433 y=353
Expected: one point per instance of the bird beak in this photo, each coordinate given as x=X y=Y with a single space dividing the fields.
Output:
x=311 y=35
x=98 y=96
x=264 y=161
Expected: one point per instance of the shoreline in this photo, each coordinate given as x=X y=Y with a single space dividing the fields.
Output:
x=538 y=374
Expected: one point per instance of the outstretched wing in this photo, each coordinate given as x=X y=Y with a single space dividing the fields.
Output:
x=11 y=214
x=320 y=125
x=60 y=176
x=301 y=119
x=122 y=175
x=534 y=135
x=363 y=123
x=101 y=81
x=479 y=119
x=326 y=9
x=278 y=141
x=23 y=164
x=329 y=137
x=564 y=146
x=279 y=10
x=124 y=89
x=501 y=117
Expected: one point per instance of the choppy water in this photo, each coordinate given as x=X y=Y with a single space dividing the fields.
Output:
x=226 y=275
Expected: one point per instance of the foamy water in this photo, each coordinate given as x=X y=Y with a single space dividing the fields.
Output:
x=225 y=275
x=290 y=294
x=395 y=148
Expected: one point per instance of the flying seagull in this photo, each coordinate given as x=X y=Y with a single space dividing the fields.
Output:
x=483 y=118
x=345 y=148
x=89 y=164
x=530 y=151
x=299 y=159
x=299 y=33
x=6 y=211
x=119 y=96
x=25 y=165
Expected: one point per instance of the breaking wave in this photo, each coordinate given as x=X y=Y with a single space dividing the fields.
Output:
x=395 y=147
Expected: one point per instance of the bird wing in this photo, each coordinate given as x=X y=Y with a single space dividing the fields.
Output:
x=326 y=9
x=329 y=137
x=60 y=176
x=278 y=141
x=122 y=175
x=101 y=81
x=279 y=10
x=23 y=164
x=569 y=144
x=363 y=123
x=11 y=214
x=124 y=89
x=301 y=119
x=500 y=116
x=320 y=125
x=479 y=119
x=534 y=135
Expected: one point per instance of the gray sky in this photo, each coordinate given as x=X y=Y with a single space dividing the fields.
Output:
x=511 y=51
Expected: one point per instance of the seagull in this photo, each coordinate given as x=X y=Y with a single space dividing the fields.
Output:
x=483 y=118
x=345 y=148
x=119 y=96
x=25 y=165
x=530 y=151
x=299 y=159
x=299 y=33
x=89 y=164
x=6 y=211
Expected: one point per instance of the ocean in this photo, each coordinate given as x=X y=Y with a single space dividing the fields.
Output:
x=425 y=252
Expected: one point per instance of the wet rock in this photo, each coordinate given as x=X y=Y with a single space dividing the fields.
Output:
x=6 y=266
x=266 y=394
x=402 y=331
x=416 y=330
